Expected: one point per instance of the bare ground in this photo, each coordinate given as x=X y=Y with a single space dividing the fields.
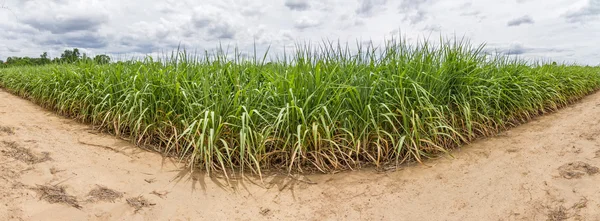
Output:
x=543 y=170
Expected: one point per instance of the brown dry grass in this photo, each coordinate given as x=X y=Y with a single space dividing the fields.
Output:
x=562 y=213
x=558 y=214
x=139 y=203
x=161 y=194
x=23 y=154
x=7 y=130
x=56 y=194
x=102 y=193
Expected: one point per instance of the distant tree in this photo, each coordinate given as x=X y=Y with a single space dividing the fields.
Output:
x=76 y=53
x=70 y=56
x=44 y=58
x=102 y=59
x=19 y=61
x=66 y=56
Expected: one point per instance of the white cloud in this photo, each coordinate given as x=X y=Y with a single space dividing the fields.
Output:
x=305 y=22
x=561 y=29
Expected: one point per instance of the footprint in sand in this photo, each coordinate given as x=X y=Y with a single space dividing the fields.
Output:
x=576 y=170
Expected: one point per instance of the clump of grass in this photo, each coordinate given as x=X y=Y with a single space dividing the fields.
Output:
x=139 y=203
x=56 y=194
x=562 y=213
x=7 y=130
x=23 y=154
x=102 y=193
x=558 y=214
x=322 y=108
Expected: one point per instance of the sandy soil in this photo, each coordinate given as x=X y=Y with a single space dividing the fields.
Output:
x=52 y=168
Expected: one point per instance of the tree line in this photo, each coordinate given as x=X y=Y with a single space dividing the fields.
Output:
x=68 y=56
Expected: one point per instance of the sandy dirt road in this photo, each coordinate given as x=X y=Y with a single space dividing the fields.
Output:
x=543 y=170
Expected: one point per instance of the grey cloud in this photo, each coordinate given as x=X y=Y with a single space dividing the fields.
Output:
x=217 y=26
x=298 y=5
x=15 y=31
x=145 y=48
x=135 y=45
x=287 y=35
x=14 y=27
x=202 y=22
x=512 y=49
x=432 y=28
x=477 y=14
x=359 y=22
x=305 y=22
x=62 y=25
x=516 y=49
x=127 y=41
x=416 y=18
x=251 y=11
x=350 y=21
x=169 y=6
x=472 y=13
x=78 y=40
x=222 y=31
x=412 y=4
x=466 y=5
x=413 y=10
x=147 y=40
x=591 y=10
x=367 y=7
x=520 y=20
x=13 y=49
x=519 y=49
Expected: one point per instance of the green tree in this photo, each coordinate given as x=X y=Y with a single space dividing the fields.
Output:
x=102 y=59
x=44 y=58
x=70 y=56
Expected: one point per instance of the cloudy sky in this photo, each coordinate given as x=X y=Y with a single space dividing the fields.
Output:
x=560 y=30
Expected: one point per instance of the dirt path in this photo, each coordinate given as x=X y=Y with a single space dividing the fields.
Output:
x=544 y=170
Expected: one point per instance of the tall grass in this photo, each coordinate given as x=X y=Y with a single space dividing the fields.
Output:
x=323 y=108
